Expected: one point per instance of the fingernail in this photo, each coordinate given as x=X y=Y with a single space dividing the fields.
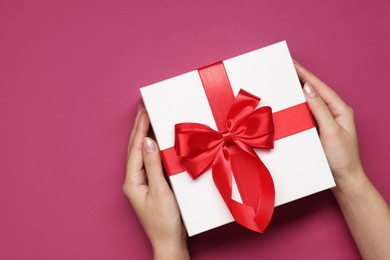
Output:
x=309 y=91
x=149 y=146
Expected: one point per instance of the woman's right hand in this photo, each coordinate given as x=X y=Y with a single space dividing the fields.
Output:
x=337 y=130
x=365 y=211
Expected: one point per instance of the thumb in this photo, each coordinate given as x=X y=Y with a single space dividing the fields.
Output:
x=153 y=167
x=319 y=109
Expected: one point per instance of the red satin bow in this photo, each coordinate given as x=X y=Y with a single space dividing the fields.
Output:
x=229 y=151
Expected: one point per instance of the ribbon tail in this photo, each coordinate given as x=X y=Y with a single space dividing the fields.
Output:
x=256 y=210
x=255 y=186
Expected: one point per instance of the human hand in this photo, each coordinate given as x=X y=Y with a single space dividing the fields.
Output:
x=150 y=195
x=336 y=128
x=366 y=212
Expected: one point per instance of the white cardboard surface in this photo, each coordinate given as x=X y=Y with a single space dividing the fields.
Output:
x=297 y=163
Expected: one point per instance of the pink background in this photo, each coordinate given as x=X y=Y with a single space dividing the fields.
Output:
x=69 y=78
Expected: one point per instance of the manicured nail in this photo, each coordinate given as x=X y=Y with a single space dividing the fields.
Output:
x=149 y=146
x=309 y=91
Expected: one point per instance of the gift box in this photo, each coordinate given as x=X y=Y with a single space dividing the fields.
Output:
x=237 y=138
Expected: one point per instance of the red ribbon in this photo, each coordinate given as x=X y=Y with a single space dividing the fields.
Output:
x=230 y=150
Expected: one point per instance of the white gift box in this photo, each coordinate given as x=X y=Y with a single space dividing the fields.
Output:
x=297 y=163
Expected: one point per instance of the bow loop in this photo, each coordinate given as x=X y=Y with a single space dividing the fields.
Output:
x=193 y=139
x=197 y=145
x=244 y=104
x=256 y=129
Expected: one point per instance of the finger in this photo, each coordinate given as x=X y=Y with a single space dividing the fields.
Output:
x=153 y=167
x=336 y=105
x=342 y=113
x=134 y=129
x=135 y=175
x=319 y=109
